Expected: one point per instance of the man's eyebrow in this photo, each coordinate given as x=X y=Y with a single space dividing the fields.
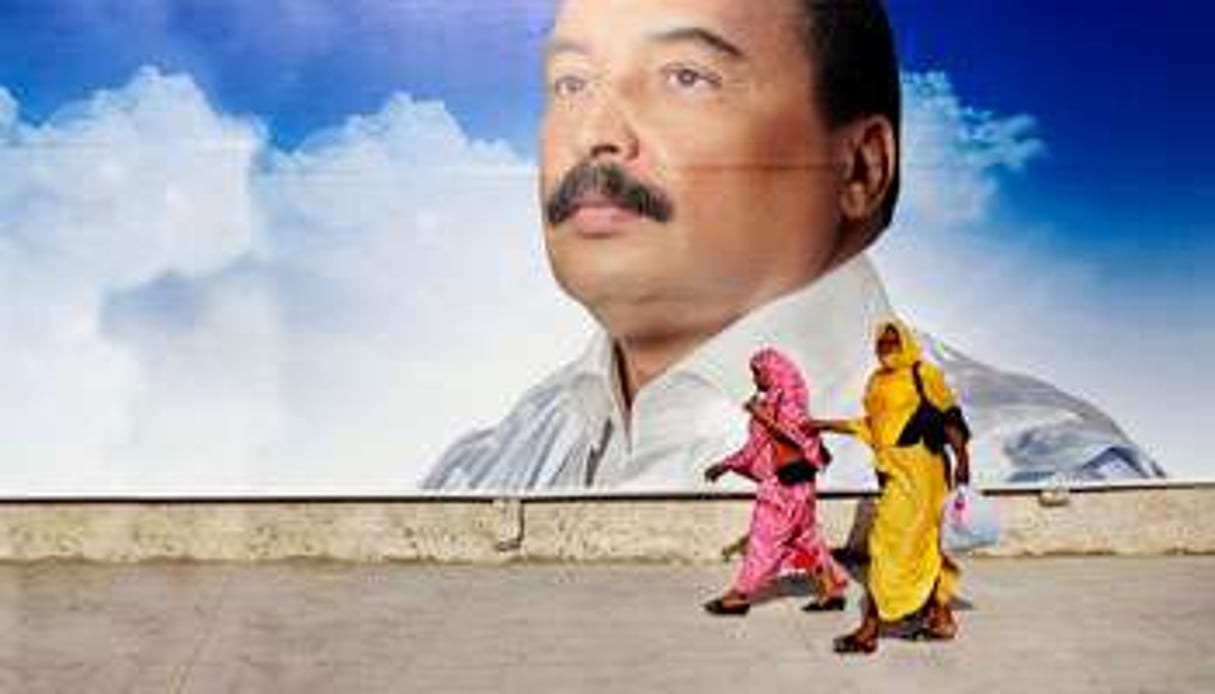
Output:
x=702 y=36
x=558 y=45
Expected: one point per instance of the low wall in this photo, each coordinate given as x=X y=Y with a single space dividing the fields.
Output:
x=1149 y=519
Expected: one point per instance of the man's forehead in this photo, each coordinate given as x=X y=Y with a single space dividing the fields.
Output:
x=582 y=25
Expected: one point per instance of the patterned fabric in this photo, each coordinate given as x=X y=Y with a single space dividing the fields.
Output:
x=783 y=397
x=784 y=531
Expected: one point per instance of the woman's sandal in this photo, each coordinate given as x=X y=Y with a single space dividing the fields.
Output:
x=937 y=633
x=853 y=644
x=934 y=628
x=719 y=607
x=833 y=604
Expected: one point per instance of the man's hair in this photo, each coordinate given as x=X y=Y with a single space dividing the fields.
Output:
x=851 y=49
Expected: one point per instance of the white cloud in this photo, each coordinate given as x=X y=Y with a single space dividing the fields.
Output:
x=954 y=154
x=188 y=311
x=108 y=195
x=437 y=307
x=948 y=259
x=132 y=183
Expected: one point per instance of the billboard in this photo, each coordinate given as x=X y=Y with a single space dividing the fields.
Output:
x=316 y=247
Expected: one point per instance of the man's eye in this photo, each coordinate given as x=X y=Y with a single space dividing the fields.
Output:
x=568 y=85
x=685 y=78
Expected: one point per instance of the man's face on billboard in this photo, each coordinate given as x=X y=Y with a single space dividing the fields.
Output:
x=721 y=193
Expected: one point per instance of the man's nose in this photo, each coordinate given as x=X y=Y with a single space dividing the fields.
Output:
x=606 y=131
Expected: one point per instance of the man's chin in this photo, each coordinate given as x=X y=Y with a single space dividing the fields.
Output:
x=609 y=279
x=636 y=307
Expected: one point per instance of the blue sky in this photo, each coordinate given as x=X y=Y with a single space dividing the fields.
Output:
x=1123 y=95
x=1088 y=266
x=299 y=66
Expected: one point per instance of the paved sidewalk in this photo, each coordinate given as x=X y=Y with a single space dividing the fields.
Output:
x=1044 y=625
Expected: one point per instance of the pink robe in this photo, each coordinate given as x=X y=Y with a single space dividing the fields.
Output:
x=784 y=531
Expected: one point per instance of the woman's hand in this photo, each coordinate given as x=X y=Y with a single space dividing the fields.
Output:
x=813 y=426
x=962 y=474
x=713 y=472
x=961 y=456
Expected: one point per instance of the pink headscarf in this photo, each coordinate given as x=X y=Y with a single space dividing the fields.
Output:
x=787 y=394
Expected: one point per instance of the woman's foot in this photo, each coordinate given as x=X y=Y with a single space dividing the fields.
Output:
x=834 y=603
x=730 y=604
x=863 y=641
x=939 y=624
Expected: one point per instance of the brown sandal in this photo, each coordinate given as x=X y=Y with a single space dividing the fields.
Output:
x=721 y=608
x=835 y=603
x=929 y=632
x=849 y=644
x=938 y=625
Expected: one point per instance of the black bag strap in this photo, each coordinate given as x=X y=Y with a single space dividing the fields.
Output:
x=919 y=382
x=952 y=417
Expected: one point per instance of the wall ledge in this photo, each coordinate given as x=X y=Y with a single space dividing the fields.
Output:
x=1131 y=519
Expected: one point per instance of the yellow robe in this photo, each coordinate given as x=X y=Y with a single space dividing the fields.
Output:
x=906 y=564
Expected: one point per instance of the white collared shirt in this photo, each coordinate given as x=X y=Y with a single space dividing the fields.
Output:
x=571 y=431
x=691 y=415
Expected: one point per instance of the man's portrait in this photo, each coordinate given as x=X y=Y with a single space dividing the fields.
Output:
x=363 y=248
x=712 y=173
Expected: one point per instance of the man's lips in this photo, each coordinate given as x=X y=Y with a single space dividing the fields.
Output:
x=596 y=216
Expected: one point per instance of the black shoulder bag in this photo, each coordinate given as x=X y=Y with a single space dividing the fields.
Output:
x=928 y=422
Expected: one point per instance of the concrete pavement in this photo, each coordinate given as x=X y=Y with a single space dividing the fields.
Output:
x=1046 y=625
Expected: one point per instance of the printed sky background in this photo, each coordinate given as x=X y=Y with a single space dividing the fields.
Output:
x=292 y=246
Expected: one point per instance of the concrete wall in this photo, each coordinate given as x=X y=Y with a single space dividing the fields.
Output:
x=1152 y=519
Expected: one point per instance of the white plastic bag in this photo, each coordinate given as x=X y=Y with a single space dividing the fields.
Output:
x=968 y=521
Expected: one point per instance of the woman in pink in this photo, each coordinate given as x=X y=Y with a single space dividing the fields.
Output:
x=782 y=460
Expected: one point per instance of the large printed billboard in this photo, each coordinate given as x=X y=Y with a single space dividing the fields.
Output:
x=404 y=247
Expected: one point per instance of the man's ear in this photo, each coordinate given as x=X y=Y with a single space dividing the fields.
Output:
x=868 y=158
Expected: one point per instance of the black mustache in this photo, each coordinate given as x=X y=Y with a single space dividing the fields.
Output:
x=612 y=183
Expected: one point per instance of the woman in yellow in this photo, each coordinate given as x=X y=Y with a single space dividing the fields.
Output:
x=910 y=414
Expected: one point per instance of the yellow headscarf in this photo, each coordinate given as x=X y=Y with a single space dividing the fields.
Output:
x=909 y=350
x=891 y=397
